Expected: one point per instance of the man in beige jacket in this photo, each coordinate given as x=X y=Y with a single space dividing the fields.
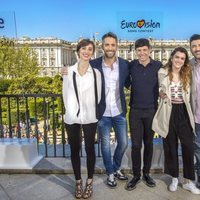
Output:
x=195 y=98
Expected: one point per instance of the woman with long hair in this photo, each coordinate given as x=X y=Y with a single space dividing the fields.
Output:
x=174 y=119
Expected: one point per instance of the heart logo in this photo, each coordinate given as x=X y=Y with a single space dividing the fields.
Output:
x=140 y=23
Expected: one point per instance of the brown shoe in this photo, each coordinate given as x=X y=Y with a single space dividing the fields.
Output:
x=88 y=190
x=79 y=189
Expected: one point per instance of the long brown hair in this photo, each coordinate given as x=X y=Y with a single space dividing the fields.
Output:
x=185 y=72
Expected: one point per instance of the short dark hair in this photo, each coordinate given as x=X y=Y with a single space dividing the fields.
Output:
x=83 y=43
x=109 y=34
x=194 y=37
x=142 y=42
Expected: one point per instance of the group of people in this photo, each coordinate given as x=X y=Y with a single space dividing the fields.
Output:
x=161 y=100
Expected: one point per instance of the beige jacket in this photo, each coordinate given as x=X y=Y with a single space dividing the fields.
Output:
x=161 y=119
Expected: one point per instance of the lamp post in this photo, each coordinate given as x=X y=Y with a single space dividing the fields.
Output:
x=48 y=128
x=95 y=43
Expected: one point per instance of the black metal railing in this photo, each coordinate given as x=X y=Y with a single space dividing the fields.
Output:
x=39 y=116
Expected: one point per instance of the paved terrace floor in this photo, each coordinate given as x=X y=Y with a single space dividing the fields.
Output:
x=52 y=179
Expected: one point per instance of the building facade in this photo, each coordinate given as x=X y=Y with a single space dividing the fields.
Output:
x=161 y=49
x=52 y=53
x=55 y=53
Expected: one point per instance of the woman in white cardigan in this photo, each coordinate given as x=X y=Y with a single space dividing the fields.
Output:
x=174 y=119
x=81 y=96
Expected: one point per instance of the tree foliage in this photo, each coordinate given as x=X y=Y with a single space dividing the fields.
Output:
x=17 y=62
x=57 y=85
x=4 y=85
x=19 y=70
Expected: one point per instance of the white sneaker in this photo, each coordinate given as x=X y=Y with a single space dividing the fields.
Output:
x=191 y=187
x=174 y=185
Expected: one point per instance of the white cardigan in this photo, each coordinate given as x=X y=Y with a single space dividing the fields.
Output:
x=86 y=95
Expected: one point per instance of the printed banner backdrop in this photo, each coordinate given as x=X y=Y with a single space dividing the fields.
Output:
x=7 y=24
x=134 y=25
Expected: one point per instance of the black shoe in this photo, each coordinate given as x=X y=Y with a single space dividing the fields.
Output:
x=118 y=174
x=131 y=185
x=111 y=182
x=148 y=180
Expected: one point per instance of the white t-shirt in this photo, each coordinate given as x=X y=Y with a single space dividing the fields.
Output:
x=86 y=95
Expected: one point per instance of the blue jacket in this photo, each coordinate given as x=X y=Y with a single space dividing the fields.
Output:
x=124 y=81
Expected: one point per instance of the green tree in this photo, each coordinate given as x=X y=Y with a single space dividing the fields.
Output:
x=17 y=62
x=4 y=85
x=7 y=52
x=43 y=85
x=23 y=85
x=57 y=85
x=25 y=63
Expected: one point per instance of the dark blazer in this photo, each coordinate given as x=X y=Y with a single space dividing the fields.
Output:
x=124 y=81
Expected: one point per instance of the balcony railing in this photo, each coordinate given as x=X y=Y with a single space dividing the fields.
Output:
x=39 y=116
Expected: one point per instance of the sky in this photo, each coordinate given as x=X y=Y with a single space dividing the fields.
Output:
x=71 y=19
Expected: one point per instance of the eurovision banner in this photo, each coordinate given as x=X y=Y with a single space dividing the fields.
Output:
x=134 y=25
x=8 y=24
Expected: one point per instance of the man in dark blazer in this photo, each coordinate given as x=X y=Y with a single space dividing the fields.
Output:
x=112 y=108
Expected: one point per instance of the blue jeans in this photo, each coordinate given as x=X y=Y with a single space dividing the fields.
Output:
x=197 y=148
x=118 y=123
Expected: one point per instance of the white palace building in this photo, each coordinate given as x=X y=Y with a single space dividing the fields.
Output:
x=54 y=53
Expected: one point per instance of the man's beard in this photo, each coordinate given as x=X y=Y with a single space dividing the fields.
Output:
x=108 y=55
